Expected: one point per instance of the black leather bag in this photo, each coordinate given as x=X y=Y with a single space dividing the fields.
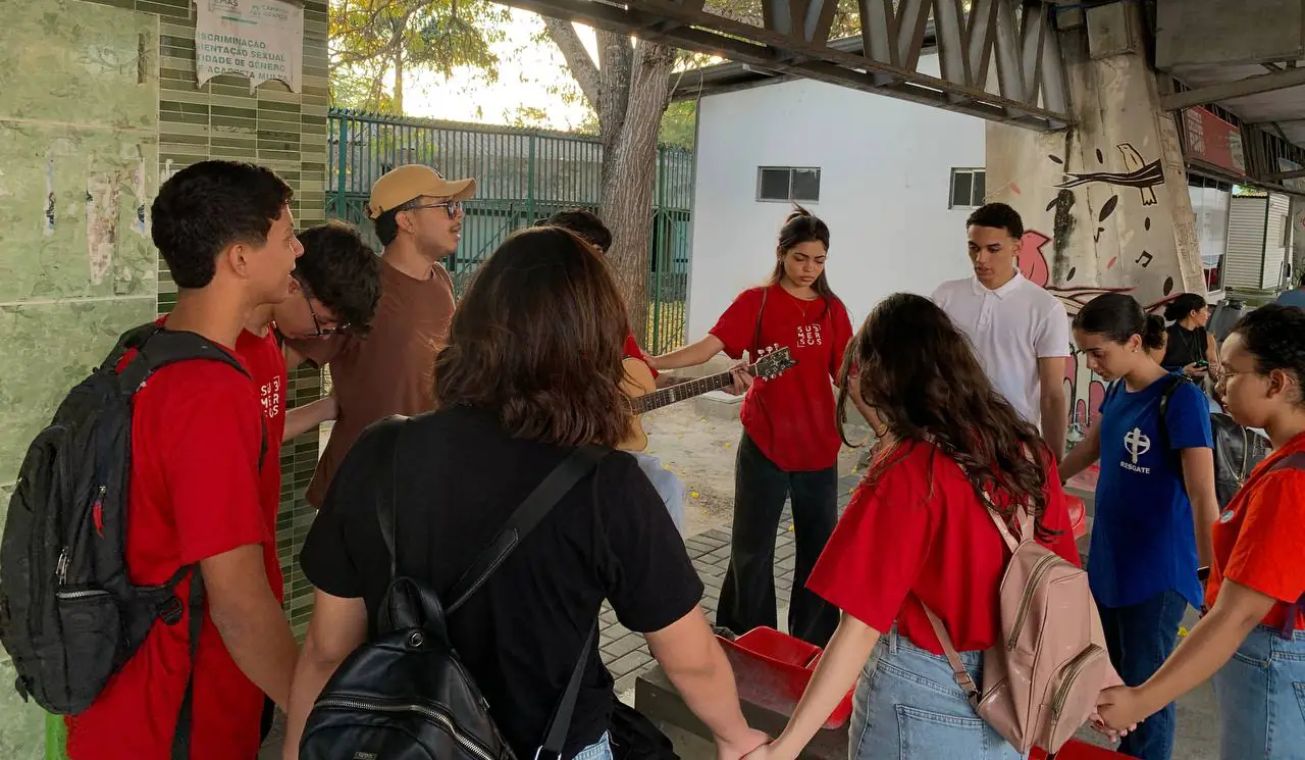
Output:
x=405 y=694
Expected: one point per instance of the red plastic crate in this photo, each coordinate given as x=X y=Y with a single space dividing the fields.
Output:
x=772 y=670
x=1077 y=750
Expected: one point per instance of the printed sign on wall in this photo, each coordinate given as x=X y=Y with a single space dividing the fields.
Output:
x=260 y=39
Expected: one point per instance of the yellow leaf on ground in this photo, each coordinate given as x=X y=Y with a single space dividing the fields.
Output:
x=693 y=494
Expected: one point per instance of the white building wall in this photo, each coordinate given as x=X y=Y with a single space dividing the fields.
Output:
x=885 y=182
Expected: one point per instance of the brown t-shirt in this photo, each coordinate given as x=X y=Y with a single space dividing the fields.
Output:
x=390 y=370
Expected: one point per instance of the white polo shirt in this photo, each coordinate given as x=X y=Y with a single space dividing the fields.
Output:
x=1011 y=328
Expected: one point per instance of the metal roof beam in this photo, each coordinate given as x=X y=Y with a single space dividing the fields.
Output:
x=1278 y=80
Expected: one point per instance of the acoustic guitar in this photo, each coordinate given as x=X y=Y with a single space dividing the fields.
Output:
x=644 y=395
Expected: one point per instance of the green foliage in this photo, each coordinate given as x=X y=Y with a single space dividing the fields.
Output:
x=679 y=124
x=372 y=40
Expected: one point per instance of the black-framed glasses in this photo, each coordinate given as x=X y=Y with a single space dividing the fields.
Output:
x=453 y=208
x=321 y=332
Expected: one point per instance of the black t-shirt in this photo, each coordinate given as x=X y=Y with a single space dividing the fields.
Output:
x=519 y=634
x=1184 y=346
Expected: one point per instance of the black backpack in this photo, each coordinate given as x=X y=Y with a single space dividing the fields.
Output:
x=1236 y=449
x=69 y=615
x=405 y=694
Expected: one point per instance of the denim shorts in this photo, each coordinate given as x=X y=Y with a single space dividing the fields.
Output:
x=1261 y=693
x=599 y=750
x=907 y=706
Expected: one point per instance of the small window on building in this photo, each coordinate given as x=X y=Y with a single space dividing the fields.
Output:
x=968 y=188
x=788 y=183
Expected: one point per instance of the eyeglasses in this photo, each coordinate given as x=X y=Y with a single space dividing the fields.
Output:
x=452 y=207
x=321 y=332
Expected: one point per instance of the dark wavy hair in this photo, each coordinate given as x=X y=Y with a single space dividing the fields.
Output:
x=1275 y=336
x=920 y=374
x=208 y=206
x=800 y=227
x=341 y=271
x=537 y=339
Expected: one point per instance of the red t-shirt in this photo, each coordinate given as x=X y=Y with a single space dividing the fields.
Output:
x=790 y=418
x=631 y=350
x=921 y=532
x=1258 y=539
x=194 y=494
x=267 y=367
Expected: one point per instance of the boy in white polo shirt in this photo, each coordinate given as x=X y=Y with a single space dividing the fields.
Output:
x=1019 y=331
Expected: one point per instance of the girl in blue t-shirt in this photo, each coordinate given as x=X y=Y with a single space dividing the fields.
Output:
x=1155 y=500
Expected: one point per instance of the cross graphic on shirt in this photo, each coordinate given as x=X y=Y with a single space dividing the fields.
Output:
x=1136 y=443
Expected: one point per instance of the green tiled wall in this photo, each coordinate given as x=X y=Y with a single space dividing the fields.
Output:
x=98 y=104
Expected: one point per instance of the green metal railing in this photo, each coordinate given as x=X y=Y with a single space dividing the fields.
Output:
x=522 y=176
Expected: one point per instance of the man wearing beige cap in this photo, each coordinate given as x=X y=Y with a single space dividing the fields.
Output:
x=391 y=370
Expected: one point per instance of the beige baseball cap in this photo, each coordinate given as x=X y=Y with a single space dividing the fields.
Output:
x=398 y=186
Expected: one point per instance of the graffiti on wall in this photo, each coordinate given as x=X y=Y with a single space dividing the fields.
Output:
x=1045 y=259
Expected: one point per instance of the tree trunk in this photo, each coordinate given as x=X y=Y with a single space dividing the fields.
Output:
x=630 y=173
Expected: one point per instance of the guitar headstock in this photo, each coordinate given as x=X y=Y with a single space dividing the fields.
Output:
x=774 y=361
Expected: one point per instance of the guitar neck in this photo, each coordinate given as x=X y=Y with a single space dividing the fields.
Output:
x=681 y=392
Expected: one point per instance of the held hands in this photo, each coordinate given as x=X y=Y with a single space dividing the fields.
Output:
x=1119 y=710
x=746 y=744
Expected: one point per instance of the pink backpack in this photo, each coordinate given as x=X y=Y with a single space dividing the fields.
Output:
x=1042 y=677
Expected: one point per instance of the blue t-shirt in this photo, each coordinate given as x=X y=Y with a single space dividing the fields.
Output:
x=1294 y=297
x=1143 y=542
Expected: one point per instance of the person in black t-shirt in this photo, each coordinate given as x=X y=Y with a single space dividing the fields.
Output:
x=531 y=371
x=1190 y=347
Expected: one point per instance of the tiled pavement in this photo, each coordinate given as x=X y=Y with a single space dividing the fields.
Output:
x=625 y=652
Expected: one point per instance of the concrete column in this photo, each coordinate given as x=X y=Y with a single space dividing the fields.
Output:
x=1105 y=203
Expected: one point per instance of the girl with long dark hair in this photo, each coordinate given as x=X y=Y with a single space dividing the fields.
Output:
x=1155 y=499
x=1190 y=347
x=919 y=532
x=789 y=446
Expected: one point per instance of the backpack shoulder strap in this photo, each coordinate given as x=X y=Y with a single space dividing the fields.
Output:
x=1290 y=462
x=536 y=506
x=389 y=430
x=1165 y=397
x=959 y=672
x=161 y=348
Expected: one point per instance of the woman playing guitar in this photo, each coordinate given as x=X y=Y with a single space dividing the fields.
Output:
x=789 y=445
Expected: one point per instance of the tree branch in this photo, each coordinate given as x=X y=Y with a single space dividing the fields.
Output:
x=582 y=67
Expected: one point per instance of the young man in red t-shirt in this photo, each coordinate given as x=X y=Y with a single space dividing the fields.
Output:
x=226 y=232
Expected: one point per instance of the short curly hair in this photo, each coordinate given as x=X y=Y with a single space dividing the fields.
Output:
x=208 y=206
x=339 y=269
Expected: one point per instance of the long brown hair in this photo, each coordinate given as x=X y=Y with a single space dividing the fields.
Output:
x=537 y=339
x=921 y=376
x=800 y=227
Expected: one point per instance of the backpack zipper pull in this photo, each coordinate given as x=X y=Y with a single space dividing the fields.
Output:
x=61 y=566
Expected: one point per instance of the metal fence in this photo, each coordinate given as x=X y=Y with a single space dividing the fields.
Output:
x=522 y=176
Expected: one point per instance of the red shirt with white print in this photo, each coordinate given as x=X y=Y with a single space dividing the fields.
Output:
x=266 y=364
x=790 y=418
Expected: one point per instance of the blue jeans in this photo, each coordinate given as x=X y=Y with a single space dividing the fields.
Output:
x=667 y=485
x=1261 y=693
x=907 y=706
x=1140 y=637
x=599 y=750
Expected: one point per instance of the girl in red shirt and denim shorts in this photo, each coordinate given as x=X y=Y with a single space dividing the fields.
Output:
x=917 y=530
